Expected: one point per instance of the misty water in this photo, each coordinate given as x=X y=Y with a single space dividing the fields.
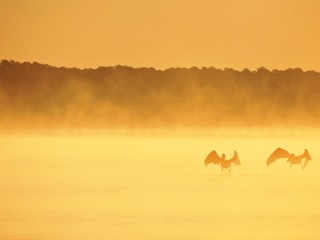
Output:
x=87 y=187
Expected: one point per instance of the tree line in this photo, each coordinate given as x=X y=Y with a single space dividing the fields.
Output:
x=34 y=95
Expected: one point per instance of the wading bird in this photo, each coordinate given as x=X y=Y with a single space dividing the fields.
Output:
x=291 y=158
x=214 y=158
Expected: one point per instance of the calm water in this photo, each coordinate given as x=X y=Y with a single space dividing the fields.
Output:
x=155 y=188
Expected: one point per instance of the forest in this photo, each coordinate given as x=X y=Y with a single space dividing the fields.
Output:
x=39 y=96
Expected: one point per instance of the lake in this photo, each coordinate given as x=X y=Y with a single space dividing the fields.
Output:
x=144 y=187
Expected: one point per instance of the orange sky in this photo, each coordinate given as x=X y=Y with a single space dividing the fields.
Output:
x=168 y=33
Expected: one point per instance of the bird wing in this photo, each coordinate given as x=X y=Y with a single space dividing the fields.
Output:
x=305 y=164
x=236 y=158
x=212 y=157
x=278 y=153
x=307 y=155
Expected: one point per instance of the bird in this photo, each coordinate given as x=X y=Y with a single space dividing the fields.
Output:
x=214 y=158
x=291 y=158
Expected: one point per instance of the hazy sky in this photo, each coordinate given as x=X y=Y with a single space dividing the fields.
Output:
x=162 y=33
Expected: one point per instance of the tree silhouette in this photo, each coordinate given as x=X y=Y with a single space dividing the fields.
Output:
x=34 y=95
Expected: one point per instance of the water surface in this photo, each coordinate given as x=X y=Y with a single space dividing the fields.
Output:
x=77 y=188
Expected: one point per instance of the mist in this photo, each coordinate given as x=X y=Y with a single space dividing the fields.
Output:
x=37 y=96
x=112 y=179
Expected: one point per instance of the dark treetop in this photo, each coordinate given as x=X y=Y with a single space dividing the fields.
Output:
x=34 y=95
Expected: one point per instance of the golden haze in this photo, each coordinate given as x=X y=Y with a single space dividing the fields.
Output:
x=81 y=184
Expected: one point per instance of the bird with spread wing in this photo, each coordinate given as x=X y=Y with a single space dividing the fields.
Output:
x=214 y=158
x=291 y=158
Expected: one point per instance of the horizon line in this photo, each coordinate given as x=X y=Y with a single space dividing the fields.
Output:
x=158 y=69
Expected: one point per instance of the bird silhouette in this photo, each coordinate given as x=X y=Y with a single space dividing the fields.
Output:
x=280 y=153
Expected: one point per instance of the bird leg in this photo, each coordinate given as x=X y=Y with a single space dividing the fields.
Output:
x=301 y=165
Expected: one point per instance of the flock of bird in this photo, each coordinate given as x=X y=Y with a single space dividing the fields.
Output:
x=279 y=153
